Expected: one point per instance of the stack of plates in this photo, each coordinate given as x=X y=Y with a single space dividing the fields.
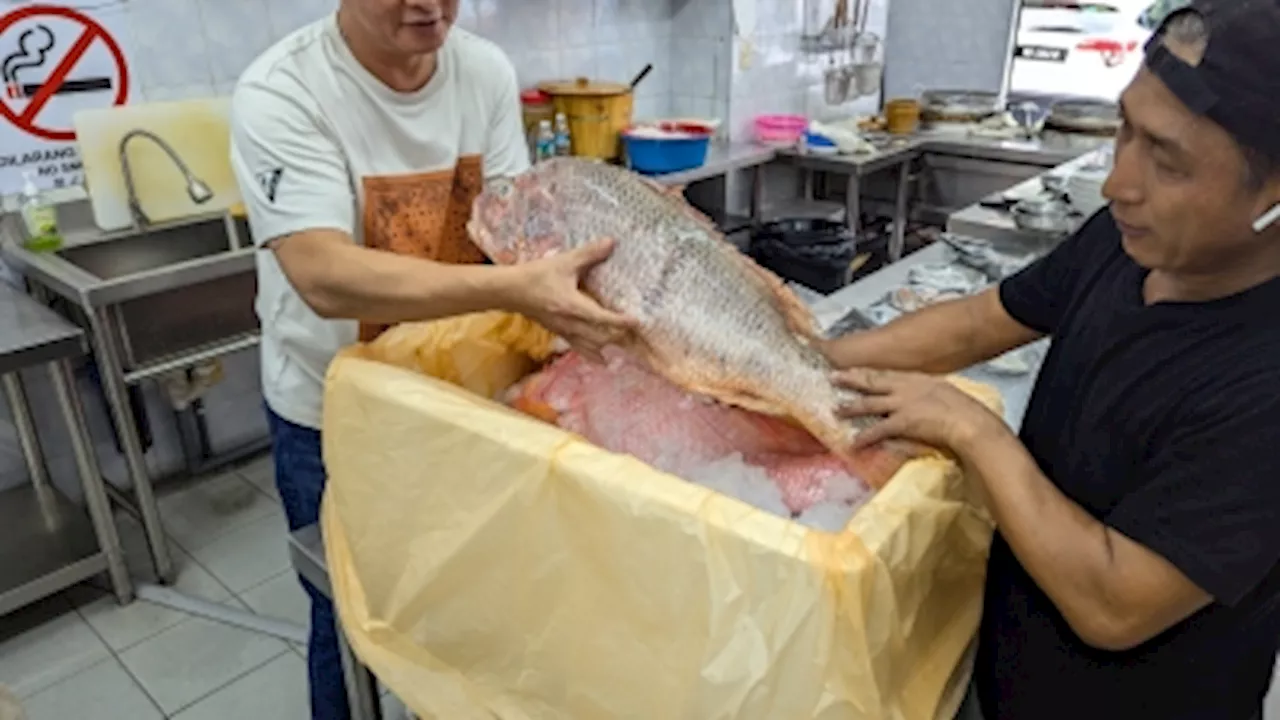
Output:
x=1084 y=187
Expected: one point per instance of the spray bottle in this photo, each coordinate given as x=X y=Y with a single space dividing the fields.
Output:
x=40 y=218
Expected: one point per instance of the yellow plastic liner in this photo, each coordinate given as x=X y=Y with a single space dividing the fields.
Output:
x=486 y=564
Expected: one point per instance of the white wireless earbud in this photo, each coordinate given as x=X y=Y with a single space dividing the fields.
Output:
x=1268 y=219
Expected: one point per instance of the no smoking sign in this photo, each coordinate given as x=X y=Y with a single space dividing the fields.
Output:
x=56 y=61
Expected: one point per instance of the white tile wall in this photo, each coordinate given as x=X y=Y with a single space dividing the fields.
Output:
x=771 y=75
x=189 y=48
x=701 y=52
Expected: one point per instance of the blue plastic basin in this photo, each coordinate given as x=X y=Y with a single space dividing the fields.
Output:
x=659 y=156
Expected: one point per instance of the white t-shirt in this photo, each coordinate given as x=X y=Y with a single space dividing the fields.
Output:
x=319 y=142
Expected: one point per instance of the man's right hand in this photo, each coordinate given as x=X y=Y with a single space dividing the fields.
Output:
x=550 y=292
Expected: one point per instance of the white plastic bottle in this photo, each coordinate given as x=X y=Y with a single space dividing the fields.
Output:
x=546 y=147
x=40 y=218
x=564 y=146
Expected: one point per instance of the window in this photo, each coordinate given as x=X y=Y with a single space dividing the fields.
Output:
x=1081 y=49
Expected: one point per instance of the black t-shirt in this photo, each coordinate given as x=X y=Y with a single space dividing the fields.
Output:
x=1163 y=422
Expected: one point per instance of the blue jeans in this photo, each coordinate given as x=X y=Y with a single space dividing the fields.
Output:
x=300 y=478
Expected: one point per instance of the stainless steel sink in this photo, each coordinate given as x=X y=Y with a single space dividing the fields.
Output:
x=168 y=289
x=158 y=300
x=154 y=250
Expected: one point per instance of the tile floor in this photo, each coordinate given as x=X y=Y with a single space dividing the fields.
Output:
x=80 y=655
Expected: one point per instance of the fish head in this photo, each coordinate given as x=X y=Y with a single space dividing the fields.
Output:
x=519 y=219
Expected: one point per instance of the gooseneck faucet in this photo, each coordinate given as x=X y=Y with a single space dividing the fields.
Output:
x=196 y=188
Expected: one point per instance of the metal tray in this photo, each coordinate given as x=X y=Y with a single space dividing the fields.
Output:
x=957 y=105
x=1089 y=116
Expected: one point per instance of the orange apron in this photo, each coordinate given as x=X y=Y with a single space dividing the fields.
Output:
x=423 y=215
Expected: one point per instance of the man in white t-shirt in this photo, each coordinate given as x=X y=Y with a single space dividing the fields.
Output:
x=359 y=143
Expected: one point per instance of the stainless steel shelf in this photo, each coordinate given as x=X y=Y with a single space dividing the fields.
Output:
x=47 y=544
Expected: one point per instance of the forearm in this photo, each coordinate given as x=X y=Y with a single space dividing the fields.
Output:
x=939 y=339
x=352 y=282
x=1071 y=556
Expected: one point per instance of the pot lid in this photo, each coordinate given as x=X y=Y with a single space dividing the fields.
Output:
x=534 y=96
x=584 y=87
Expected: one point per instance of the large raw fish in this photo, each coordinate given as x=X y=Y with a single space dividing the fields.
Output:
x=710 y=319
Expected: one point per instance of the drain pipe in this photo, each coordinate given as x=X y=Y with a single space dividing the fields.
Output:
x=174 y=600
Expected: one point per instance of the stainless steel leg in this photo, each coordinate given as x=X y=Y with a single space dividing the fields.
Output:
x=853 y=204
x=117 y=394
x=362 y=686
x=16 y=397
x=757 y=193
x=808 y=185
x=897 y=243
x=91 y=480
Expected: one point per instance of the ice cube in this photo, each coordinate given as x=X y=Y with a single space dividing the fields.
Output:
x=733 y=476
x=828 y=516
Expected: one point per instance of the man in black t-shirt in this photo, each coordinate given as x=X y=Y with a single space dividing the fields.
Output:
x=1134 y=572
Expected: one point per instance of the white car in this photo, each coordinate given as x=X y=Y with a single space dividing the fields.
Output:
x=1082 y=49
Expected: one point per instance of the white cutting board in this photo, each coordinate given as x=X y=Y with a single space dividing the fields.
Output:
x=198 y=130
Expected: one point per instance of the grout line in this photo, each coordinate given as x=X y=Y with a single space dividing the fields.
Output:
x=229 y=683
x=115 y=657
x=23 y=698
x=291 y=572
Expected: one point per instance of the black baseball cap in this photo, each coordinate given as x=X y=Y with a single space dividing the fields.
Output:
x=1237 y=83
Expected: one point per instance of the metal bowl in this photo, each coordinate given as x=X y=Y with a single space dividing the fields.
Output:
x=1056 y=184
x=1047 y=215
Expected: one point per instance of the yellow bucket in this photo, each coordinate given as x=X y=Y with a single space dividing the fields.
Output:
x=597 y=112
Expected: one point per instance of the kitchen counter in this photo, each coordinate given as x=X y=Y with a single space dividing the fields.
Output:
x=1049 y=150
x=722 y=158
x=997 y=225
x=900 y=153
x=1014 y=389
x=31 y=334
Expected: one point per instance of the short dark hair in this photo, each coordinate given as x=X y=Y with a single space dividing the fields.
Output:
x=1187 y=27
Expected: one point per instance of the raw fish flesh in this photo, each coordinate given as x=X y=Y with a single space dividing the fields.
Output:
x=625 y=408
x=711 y=321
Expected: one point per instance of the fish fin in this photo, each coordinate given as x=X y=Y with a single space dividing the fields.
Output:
x=876 y=465
x=674 y=191
x=729 y=393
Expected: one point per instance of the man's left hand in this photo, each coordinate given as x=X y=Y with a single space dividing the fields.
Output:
x=918 y=407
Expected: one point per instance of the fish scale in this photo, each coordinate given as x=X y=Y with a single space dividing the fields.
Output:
x=710 y=320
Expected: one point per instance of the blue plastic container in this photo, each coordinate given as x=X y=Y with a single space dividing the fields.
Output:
x=659 y=156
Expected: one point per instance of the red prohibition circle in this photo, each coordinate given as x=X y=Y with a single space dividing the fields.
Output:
x=95 y=31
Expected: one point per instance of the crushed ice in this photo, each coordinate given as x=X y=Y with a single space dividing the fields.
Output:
x=731 y=475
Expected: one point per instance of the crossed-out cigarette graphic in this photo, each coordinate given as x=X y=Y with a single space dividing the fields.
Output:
x=33 y=49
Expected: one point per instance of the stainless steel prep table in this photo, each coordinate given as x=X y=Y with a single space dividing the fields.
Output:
x=899 y=152
x=47 y=544
x=998 y=225
x=1048 y=151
